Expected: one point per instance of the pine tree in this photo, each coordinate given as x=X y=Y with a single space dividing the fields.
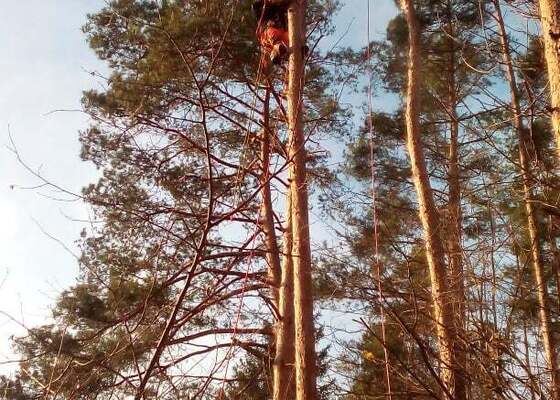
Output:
x=176 y=267
x=305 y=358
x=525 y=154
x=197 y=278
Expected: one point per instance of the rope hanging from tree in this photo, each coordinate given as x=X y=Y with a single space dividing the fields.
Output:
x=373 y=173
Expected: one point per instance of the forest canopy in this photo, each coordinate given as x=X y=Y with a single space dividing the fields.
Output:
x=281 y=217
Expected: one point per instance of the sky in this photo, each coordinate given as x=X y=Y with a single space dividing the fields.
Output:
x=44 y=67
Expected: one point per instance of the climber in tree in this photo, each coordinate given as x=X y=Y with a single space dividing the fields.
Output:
x=272 y=28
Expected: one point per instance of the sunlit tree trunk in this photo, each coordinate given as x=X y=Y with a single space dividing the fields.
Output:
x=280 y=277
x=284 y=372
x=525 y=151
x=305 y=358
x=442 y=304
x=550 y=21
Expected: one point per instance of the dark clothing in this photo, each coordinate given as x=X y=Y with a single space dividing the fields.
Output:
x=276 y=15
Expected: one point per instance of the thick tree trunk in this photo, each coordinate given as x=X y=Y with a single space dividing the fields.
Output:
x=525 y=151
x=284 y=372
x=280 y=278
x=305 y=358
x=442 y=304
x=550 y=20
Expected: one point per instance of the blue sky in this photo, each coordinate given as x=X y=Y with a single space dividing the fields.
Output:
x=44 y=67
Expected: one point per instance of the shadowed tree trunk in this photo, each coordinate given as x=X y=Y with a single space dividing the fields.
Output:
x=525 y=151
x=442 y=303
x=454 y=228
x=267 y=212
x=555 y=258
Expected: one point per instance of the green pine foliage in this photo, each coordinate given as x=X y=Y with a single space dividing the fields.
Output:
x=176 y=243
x=174 y=135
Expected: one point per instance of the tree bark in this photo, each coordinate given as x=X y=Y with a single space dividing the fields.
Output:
x=284 y=373
x=555 y=258
x=442 y=304
x=528 y=359
x=454 y=228
x=280 y=278
x=305 y=358
x=267 y=212
x=525 y=151
x=550 y=21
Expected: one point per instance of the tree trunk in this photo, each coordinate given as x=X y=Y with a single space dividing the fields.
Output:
x=525 y=151
x=443 y=307
x=267 y=212
x=455 y=218
x=305 y=358
x=284 y=373
x=550 y=20
x=528 y=360
x=280 y=278
x=555 y=258
x=454 y=227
